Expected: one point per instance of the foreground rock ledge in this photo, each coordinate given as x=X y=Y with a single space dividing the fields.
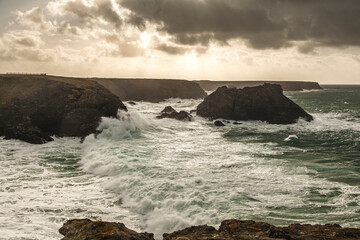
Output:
x=265 y=103
x=81 y=229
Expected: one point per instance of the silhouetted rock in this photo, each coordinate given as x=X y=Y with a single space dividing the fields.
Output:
x=132 y=103
x=33 y=108
x=242 y=229
x=152 y=90
x=286 y=85
x=81 y=229
x=193 y=111
x=170 y=112
x=219 y=123
x=265 y=103
x=85 y=229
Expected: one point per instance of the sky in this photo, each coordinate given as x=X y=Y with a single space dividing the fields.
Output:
x=312 y=40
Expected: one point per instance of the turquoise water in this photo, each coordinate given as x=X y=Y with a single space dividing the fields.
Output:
x=163 y=175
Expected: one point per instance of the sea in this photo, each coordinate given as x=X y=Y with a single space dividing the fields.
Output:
x=164 y=175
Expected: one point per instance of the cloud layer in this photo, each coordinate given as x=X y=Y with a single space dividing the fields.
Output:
x=262 y=23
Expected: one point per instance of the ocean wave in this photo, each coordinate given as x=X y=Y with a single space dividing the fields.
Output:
x=175 y=174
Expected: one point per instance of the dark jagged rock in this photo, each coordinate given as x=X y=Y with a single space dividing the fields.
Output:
x=82 y=229
x=195 y=232
x=152 y=90
x=170 y=112
x=264 y=103
x=286 y=85
x=33 y=108
x=85 y=229
x=219 y=123
x=242 y=229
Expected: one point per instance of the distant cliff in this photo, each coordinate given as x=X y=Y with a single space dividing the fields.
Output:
x=152 y=90
x=286 y=85
x=34 y=108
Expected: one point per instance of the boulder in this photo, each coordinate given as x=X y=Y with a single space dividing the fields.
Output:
x=219 y=123
x=264 y=103
x=81 y=229
x=170 y=112
x=34 y=108
x=85 y=229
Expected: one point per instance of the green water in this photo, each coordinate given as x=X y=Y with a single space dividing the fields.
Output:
x=334 y=153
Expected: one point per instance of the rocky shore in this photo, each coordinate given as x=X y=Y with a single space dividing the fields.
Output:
x=81 y=229
x=35 y=107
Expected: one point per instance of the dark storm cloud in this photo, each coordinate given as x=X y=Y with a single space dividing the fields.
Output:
x=195 y=21
x=101 y=8
x=262 y=23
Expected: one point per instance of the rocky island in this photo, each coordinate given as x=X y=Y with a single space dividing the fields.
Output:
x=33 y=108
x=265 y=103
x=81 y=229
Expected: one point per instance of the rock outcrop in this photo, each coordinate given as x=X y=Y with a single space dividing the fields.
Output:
x=33 y=108
x=264 y=103
x=82 y=229
x=286 y=85
x=219 y=123
x=152 y=90
x=169 y=112
x=85 y=229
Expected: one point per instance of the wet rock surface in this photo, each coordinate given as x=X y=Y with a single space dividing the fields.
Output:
x=265 y=103
x=80 y=229
x=34 y=108
x=219 y=123
x=170 y=112
x=85 y=229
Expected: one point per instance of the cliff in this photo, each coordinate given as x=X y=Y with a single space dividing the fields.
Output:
x=81 y=229
x=286 y=85
x=152 y=90
x=33 y=108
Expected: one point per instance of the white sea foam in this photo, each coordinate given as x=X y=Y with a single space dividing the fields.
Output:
x=177 y=174
x=291 y=138
x=41 y=187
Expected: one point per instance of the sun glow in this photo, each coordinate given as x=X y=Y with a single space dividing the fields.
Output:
x=145 y=40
